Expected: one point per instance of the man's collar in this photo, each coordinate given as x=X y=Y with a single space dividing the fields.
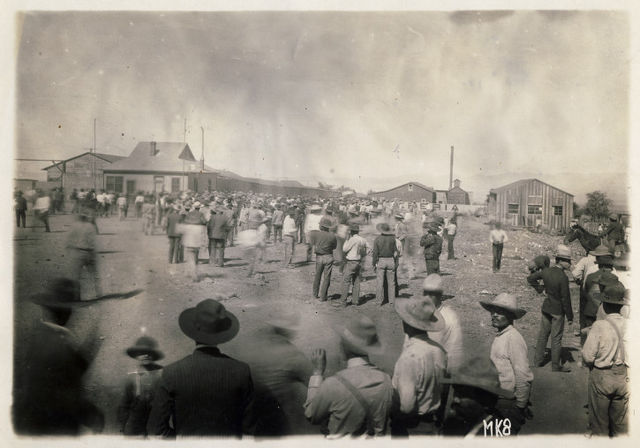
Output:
x=504 y=330
x=357 y=362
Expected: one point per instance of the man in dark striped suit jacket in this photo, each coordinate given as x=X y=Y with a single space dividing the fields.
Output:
x=206 y=393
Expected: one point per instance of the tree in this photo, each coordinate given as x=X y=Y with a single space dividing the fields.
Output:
x=597 y=205
x=577 y=210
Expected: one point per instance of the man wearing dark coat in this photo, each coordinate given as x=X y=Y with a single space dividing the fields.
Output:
x=207 y=393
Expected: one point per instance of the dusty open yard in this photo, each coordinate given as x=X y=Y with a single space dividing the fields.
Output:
x=129 y=260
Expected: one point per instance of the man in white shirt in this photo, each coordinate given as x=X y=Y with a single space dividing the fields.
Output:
x=451 y=229
x=497 y=237
x=41 y=209
x=289 y=235
x=355 y=249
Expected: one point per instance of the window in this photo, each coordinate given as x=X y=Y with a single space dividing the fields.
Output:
x=158 y=183
x=410 y=187
x=557 y=210
x=131 y=186
x=534 y=209
x=114 y=183
x=513 y=208
x=175 y=184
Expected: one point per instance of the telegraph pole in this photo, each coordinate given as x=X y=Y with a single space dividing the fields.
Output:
x=451 y=170
x=93 y=167
x=202 y=157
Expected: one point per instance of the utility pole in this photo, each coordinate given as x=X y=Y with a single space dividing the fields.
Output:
x=184 y=138
x=93 y=167
x=451 y=170
x=202 y=157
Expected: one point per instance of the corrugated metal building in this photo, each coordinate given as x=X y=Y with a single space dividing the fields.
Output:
x=411 y=191
x=531 y=203
x=78 y=171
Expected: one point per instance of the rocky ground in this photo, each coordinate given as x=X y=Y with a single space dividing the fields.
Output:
x=130 y=260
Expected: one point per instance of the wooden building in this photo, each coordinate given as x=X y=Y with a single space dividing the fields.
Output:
x=85 y=170
x=457 y=195
x=531 y=203
x=213 y=180
x=441 y=197
x=411 y=191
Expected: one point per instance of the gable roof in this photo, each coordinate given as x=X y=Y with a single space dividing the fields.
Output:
x=168 y=156
x=522 y=181
x=407 y=183
x=106 y=157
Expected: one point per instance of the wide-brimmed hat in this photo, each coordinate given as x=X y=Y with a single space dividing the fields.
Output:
x=613 y=217
x=145 y=345
x=197 y=204
x=432 y=283
x=209 y=323
x=563 y=252
x=504 y=301
x=354 y=227
x=622 y=261
x=478 y=372
x=326 y=223
x=315 y=208
x=607 y=279
x=600 y=251
x=614 y=294
x=420 y=312
x=65 y=293
x=399 y=216
x=542 y=261
x=384 y=228
x=605 y=260
x=361 y=337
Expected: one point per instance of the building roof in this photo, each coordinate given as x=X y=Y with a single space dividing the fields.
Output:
x=400 y=186
x=111 y=158
x=168 y=156
x=523 y=181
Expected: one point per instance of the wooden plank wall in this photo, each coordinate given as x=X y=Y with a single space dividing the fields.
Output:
x=534 y=192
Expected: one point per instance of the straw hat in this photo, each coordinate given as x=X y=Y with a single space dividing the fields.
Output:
x=481 y=373
x=360 y=336
x=504 y=301
x=420 y=312
x=600 y=251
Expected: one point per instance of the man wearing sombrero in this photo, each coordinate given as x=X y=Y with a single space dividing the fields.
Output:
x=386 y=250
x=555 y=307
x=357 y=400
x=206 y=393
x=605 y=352
x=420 y=368
x=509 y=355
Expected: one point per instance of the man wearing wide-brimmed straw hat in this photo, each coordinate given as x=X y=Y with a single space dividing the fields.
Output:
x=420 y=368
x=206 y=393
x=325 y=243
x=510 y=356
x=605 y=352
x=49 y=397
x=139 y=387
x=355 y=249
x=555 y=307
x=386 y=250
x=356 y=400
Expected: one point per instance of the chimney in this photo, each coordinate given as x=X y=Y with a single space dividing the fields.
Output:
x=153 y=148
x=451 y=170
x=456 y=183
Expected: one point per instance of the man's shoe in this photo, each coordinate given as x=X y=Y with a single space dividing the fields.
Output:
x=563 y=369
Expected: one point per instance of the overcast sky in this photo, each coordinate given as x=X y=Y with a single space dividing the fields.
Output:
x=368 y=100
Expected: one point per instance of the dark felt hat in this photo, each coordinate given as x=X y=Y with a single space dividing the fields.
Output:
x=145 y=345
x=209 y=323
x=478 y=372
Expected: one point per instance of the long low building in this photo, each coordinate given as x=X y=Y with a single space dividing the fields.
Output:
x=411 y=191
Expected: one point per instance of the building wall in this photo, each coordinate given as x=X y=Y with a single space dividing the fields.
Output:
x=457 y=196
x=441 y=197
x=78 y=173
x=537 y=195
x=144 y=182
x=24 y=184
x=408 y=192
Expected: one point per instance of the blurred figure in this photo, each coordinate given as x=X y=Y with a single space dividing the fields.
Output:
x=355 y=250
x=289 y=233
x=81 y=245
x=615 y=235
x=472 y=399
x=386 y=250
x=497 y=238
x=49 y=396
x=122 y=206
x=281 y=373
x=277 y=222
x=20 y=206
x=452 y=229
x=173 y=220
x=192 y=228
x=133 y=412
x=148 y=215
x=418 y=373
x=41 y=209
x=432 y=244
x=139 y=201
x=509 y=355
x=217 y=228
x=206 y=393
x=325 y=243
x=357 y=400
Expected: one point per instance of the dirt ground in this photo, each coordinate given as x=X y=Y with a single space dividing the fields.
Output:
x=129 y=260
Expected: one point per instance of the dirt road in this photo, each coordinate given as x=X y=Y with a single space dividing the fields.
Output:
x=129 y=260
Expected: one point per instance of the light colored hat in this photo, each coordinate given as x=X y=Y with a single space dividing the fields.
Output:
x=504 y=301
x=360 y=336
x=478 y=372
x=600 y=251
x=563 y=252
x=420 y=312
x=315 y=208
x=197 y=204
x=433 y=282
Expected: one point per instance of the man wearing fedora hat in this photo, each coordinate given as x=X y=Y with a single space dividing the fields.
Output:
x=401 y=231
x=593 y=285
x=49 y=396
x=355 y=249
x=325 y=243
x=432 y=244
x=357 y=400
x=509 y=355
x=217 y=228
x=386 y=250
x=420 y=368
x=472 y=399
x=134 y=409
x=555 y=307
x=206 y=393
x=605 y=352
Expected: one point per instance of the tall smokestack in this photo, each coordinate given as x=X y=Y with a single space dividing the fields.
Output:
x=451 y=170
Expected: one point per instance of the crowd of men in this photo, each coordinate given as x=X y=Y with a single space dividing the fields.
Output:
x=433 y=389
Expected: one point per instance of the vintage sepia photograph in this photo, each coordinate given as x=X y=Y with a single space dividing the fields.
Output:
x=282 y=222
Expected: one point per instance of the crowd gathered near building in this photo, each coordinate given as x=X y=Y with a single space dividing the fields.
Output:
x=435 y=388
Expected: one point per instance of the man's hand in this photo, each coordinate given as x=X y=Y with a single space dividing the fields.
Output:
x=319 y=361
